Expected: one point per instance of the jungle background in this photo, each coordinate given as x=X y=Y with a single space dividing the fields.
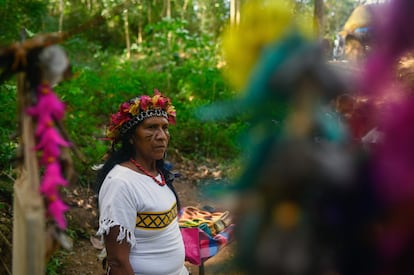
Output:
x=119 y=52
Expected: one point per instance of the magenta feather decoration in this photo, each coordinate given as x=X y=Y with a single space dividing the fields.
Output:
x=49 y=142
x=47 y=109
x=52 y=178
x=392 y=161
x=394 y=157
x=57 y=209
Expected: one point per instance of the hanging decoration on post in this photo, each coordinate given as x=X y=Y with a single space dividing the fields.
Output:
x=40 y=64
x=47 y=111
x=45 y=64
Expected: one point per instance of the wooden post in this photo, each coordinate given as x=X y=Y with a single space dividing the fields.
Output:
x=29 y=212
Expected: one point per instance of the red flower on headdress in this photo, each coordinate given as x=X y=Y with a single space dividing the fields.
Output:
x=162 y=102
x=129 y=109
x=124 y=108
x=144 y=102
x=121 y=116
x=118 y=119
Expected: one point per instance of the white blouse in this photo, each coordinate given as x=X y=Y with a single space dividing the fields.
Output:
x=146 y=214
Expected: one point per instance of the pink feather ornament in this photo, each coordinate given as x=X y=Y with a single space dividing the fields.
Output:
x=51 y=137
x=57 y=209
x=47 y=110
x=52 y=178
x=50 y=143
x=43 y=122
x=48 y=105
x=50 y=154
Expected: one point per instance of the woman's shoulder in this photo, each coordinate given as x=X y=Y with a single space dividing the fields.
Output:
x=120 y=175
x=119 y=171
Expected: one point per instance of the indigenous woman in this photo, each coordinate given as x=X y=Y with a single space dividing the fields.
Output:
x=137 y=202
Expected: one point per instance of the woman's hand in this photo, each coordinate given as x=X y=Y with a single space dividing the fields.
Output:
x=117 y=254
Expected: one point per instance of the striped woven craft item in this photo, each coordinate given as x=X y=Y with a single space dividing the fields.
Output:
x=211 y=222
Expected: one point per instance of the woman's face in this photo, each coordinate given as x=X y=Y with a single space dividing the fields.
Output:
x=150 y=138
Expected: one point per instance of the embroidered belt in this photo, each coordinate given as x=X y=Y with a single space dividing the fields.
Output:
x=156 y=220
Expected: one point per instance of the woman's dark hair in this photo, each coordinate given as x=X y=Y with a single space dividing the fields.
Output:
x=123 y=154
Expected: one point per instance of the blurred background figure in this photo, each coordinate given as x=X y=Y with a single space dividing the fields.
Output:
x=354 y=41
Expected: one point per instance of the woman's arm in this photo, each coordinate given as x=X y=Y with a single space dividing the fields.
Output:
x=117 y=253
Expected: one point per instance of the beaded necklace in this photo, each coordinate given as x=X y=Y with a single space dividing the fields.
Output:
x=160 y=183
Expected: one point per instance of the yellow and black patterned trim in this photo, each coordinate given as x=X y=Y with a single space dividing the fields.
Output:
x=156 y=221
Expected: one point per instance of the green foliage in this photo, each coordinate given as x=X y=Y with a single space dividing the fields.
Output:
x=54 y=265
x=212 y=15
x=183 y=66
x=18 y=15
x=337 y=14
x=8 y=124
x=193 y=80
x=180 y=63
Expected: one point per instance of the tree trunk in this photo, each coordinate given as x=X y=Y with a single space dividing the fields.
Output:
x=168 y=9
x=126 y=28
x=167 y=4
x=149 y=10
x=237 y=11
x=61 y=12
x=184 y=9
x=169 y=37
x=234 y=12
x=319 y=18
x=139 y=34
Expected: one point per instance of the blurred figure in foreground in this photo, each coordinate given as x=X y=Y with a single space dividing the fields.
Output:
x=310 y=203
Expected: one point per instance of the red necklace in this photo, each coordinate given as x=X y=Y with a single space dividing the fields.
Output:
x=160 y=183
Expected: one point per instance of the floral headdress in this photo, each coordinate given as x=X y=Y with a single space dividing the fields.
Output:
x=137 y=109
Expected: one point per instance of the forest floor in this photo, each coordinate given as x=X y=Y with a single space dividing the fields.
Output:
x=83 y=257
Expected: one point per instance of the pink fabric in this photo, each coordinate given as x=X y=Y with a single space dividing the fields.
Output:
x=200 y=246
x=191 y=238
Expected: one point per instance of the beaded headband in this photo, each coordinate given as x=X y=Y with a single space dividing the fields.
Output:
x=137 y=109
